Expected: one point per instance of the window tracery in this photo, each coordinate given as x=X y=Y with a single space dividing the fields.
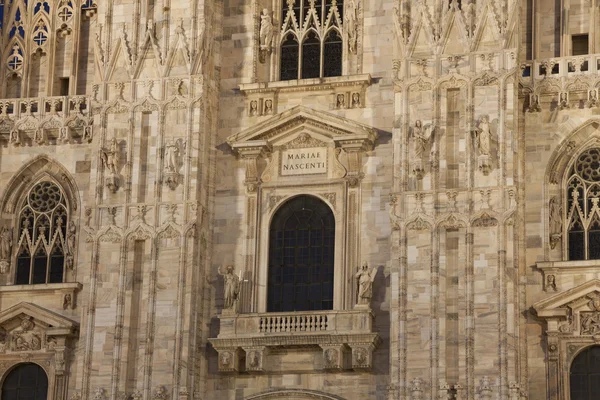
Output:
x=42 y=236
x=25 y=29
x=583 y=210
x=311 y=39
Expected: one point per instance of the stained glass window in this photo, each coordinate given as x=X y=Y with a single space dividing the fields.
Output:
x=311 y=40
x=301 y=256
x=42 y=242
x=583 y=208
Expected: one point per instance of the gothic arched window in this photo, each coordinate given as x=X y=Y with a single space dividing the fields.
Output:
x=311 y=39
x=585 y=375
x=583 y=209
x=42 y=243
x=301 y=256
x=25 y=381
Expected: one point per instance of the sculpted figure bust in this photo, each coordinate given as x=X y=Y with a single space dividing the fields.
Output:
x=231 y=284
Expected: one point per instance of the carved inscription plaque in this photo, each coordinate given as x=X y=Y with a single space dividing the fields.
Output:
x=311 y=160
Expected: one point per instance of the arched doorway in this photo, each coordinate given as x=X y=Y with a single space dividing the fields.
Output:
x=25 y=382
x=585 y=375
x=301 y=256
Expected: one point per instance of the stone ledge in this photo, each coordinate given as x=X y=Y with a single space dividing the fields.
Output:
x=62 y=289
x=567 y=266
x=306 y=84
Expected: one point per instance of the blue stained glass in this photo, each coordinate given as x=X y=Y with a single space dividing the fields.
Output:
x=1 y=13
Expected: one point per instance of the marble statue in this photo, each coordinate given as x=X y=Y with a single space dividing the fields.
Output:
x=231 y=287
x=266 y=30
x=364 y=280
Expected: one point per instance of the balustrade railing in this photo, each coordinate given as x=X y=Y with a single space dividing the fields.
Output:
x=293 y=323
x=42 y=106
x=561 y=67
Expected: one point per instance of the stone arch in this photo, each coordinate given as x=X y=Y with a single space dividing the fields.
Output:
x=281 y=202
x=572 y=142
x=39 y=167
x=293 y=394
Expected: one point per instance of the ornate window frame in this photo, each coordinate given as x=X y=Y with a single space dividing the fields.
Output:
x=268 y=57
x=344 y=144
x=558 y=173
x=44 y=338
x=39 y=169
x=568 y=332
x=340 y=146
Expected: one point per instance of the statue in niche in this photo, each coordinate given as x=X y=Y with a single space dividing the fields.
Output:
x=253 y=108
x=592 y=99
x=171 y=163
x=171 y=152
x=265 y=34
x=231 y=283
x=268 y=107
x=355 y=100
x=563 y=101
x=24 y=338
x=482 y=138
x=364 y=280
x=340 y=101
x=110 y=161
x=421 y=138
x=351 y=17
x=555 y=216
x=551 y=282
x=5 y=249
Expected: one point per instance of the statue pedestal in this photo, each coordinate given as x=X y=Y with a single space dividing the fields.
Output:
x=484 y=164
x=362 y=307
x=418 y=169
x=171 y=180
x=112 y=182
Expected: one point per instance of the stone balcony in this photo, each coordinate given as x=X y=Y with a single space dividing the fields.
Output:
x=46 y=120
x=344 y=339
x=559 y=67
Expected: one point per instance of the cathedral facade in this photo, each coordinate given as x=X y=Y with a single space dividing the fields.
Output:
x=299 y=199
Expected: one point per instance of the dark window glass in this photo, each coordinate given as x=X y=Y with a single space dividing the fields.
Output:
x=301 y=263
x=332 y=63
x=311 y=56
x=585 y=375
x=576 y=245
x=289 y=58
x=304 y=44
x=580 y=45
x=26 y=382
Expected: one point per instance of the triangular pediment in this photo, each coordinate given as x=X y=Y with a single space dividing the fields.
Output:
x=284 y=127
x=50 y=320
x=558 y=305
